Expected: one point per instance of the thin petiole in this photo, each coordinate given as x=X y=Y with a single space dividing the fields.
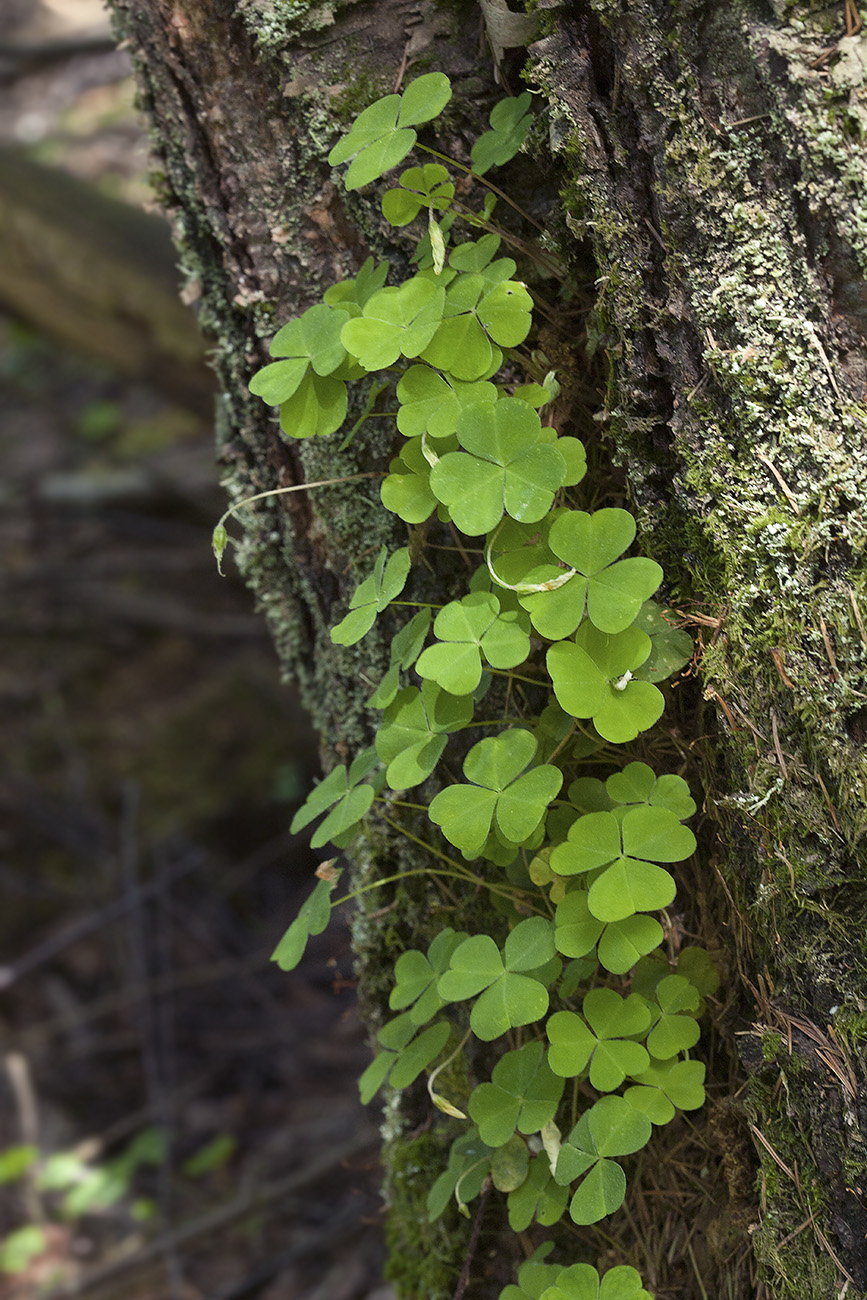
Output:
x=489 y=184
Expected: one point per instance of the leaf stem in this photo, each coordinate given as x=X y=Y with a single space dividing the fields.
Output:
x=375 y=390
x=443 y=157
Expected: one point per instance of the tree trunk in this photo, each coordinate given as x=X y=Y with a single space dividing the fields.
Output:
x=711 y=160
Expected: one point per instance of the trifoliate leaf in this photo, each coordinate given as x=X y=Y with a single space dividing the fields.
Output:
x=394 y=322
x=418 y=187
x=414 y=731
x=504 y=468
x=671 y=647
x=432 y=403
x=381 y=136
x=510 y=123
x=517 y=802
x=469 y=630
x=372 y=596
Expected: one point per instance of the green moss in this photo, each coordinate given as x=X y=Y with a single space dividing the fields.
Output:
x=771 y=1045
x=425 y=1258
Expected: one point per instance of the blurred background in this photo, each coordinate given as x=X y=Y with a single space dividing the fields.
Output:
x=178 y=1118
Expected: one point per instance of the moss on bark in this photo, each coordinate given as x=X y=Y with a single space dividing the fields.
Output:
x=717 y=174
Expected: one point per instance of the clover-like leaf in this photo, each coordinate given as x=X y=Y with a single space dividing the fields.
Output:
x=639 y=784
x=317 y=407
x=610 y=1128
x=406 y=1055
x=515 y=803
x=630 y=883
x=614 y=589
x=395 y=321
x=414 y=730
x=416 y=976
x=538 y=1197
x=313 y=916
x=478 y=319
x=468 y=630
x=431 y=403
x=509 y=998
x=372 y=596
x=604 y=1046
x=475 y=255
x=591 y=544
x=382 y=135
x=406 y=489
x=620 y=943
x=676 y=1029
x=510 y=123
x=582 y=1282
x=313 y=340
x=418 y=187
x=534 y=1275
x=344 y=794
x=504 y=467
x=667 y=1085
x=406 y=646
x=523 y=1094
x=313 y=337
x=468 y=1167
x=593 y=678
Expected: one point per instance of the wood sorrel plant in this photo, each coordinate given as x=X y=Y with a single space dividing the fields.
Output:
x=577 y=865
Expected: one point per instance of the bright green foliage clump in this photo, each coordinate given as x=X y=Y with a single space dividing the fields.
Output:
x=572 y=971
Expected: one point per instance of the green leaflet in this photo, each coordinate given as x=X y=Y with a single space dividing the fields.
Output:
x=373 y=596
x=504 y=468
x=382 y=135
x=418 y=187
x=499 y=793
x=510 y=123
x=471 y=630
x=312 y=918
x=414 y=730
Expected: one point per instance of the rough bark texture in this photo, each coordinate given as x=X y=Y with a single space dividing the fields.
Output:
x=715 y=169
x=716 y=164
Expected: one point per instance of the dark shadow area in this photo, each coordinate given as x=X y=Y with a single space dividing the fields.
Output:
x=178 y=1118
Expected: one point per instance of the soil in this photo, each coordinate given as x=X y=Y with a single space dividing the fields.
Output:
x=178 y=1118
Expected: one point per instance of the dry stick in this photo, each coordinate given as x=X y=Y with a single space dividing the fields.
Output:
x=829 y=649
x=776 y=736
x=464 y=1278
x=787 y=491
x=853 y=600
x=146 y=1021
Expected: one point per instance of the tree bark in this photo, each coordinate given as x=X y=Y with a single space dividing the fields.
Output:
x=711 y=160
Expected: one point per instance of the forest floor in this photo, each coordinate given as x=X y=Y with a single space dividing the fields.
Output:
x=178 y=1118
